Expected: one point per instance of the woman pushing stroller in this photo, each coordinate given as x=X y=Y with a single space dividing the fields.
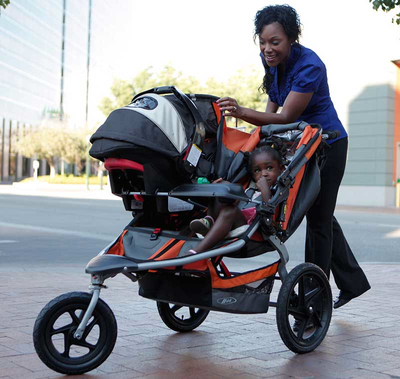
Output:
x=296 y=83
x=265 y=165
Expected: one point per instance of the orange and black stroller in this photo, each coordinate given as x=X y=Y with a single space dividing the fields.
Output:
x=155 y=149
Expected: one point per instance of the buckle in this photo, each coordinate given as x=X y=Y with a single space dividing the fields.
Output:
x=155 y=234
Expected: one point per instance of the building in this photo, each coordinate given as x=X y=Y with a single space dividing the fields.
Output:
x=51 y=58
x=373 y=164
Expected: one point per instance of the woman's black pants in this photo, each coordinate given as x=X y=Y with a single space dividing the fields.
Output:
x=326 y=245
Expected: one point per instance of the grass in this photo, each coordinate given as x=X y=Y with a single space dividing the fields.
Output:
x=67 y=179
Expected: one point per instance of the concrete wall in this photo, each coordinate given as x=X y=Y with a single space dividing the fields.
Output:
x=369 y=173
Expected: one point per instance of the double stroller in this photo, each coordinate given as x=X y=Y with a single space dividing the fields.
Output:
x=162 y=151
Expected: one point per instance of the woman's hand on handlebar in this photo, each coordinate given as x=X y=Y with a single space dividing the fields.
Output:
x=230 y=105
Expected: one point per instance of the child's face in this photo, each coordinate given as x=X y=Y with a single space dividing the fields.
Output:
x=265 y=166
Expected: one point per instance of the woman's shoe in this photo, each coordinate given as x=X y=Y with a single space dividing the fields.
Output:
x=339 y=302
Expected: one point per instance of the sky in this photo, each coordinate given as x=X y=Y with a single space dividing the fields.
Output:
x=215 y=38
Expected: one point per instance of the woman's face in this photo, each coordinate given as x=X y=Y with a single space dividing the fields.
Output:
x=266 y=166
x=274 y=44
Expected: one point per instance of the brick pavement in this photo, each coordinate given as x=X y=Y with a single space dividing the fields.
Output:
x=363 y=340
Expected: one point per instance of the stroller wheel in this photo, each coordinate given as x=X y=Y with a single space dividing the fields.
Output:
x=304 y=308
x=180 y=318
x=53 y=334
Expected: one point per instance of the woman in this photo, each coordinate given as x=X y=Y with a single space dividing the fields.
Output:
x=296 y=80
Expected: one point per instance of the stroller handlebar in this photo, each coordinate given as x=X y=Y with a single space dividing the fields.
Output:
x=330 y=134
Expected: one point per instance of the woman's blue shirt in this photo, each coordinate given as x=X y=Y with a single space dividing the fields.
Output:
x=305 y=72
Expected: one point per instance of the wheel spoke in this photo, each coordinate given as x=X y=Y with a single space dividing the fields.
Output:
x=302 y=291
x=176 y=308
x=84 y=343
x=316 y=319
x=296 y=312
x=75 y=318
x=312 y=294
x=63 y=329
x=67 y=346
x=302 y=328
x=89 y=327
x=192 y=312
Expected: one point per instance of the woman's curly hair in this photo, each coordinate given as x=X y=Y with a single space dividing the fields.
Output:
x=290 y=22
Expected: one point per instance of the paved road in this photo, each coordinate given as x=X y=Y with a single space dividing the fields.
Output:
x=45 y=243
x=49 y=230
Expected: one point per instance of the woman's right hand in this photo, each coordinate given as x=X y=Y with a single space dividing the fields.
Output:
x=230 y=105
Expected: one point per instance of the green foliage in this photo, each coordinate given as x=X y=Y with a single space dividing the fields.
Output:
x=54 y=141
x=243 y=86
x=4 y=3
x=124 y=90
x=387 y=6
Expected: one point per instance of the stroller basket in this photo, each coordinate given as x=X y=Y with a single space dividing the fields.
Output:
x=238 y=294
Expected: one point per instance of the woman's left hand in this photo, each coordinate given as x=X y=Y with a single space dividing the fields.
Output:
x=230 y=105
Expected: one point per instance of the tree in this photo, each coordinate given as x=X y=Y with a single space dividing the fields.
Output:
x=122 y=91
x=74 y=148
x=52 y=141
x=387 y=6
x=4 y=3
x=243 y=86
x=43 y=143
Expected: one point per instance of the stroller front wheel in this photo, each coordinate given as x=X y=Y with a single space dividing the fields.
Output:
x=180 y=318
x=53 y=334
x=304 y=308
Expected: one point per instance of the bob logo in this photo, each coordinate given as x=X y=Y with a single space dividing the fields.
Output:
x=226 y=300
x=145 y=102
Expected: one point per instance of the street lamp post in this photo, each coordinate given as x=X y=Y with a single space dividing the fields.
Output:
x=87 y=161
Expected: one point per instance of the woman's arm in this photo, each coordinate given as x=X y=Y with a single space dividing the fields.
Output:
x=294 y=106
x=271 y=107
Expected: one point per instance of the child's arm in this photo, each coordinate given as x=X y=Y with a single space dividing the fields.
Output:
x=264 y=188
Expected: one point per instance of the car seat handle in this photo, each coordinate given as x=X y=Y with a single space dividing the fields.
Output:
x=164 y=90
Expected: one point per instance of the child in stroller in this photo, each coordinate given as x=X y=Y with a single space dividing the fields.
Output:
x=264 y=167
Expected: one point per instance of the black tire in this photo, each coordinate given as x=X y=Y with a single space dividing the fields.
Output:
x=305 y=296
x=54 y=328
x=180 y=318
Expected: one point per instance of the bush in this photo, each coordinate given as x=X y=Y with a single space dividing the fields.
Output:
x=68 y=179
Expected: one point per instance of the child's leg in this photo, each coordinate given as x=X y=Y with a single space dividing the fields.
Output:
x=230 y=217
x=203 y=225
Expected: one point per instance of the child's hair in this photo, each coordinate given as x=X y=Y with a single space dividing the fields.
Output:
x=274 y=154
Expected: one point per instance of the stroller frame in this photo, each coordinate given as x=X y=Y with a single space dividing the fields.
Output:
x=304 y=298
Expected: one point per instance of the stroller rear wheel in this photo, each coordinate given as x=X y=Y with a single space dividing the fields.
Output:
x=53 y=334
x=304 y=308
x=179 y=318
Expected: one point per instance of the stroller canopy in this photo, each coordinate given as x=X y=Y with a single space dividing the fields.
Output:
x=159 y=123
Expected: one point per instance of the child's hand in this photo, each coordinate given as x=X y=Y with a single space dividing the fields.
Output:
x=219 y=180
x=262 y=184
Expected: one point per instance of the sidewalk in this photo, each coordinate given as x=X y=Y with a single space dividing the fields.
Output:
x=76 y=191
x=363 y=340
